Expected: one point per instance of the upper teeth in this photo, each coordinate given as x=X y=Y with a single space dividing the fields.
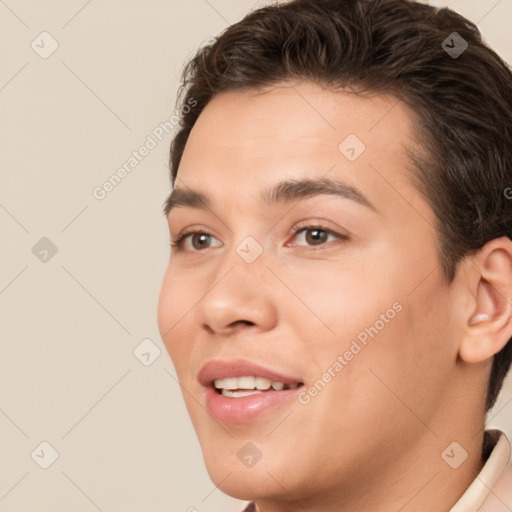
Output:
x=249 y=383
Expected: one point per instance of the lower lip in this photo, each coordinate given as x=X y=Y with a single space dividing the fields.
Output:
x=245 y=408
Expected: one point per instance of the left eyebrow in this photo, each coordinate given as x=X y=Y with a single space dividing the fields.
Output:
x=291 y=190
x=282 y=192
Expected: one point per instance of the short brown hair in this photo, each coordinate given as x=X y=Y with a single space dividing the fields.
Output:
x=463 y=102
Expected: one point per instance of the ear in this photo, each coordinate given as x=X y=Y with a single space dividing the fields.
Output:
x=489 y=320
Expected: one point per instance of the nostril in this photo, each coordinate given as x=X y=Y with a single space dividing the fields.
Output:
x=244 y=322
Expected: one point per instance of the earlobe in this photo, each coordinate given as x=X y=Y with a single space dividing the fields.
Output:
x=489 y=323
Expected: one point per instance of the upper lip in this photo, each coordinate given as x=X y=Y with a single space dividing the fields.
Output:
x=221 y=369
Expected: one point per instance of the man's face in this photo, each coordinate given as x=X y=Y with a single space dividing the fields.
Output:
x=352 y=307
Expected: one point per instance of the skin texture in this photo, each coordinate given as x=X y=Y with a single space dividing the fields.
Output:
x=373 y=437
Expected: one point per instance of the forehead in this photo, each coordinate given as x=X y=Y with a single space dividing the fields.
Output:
x=244 y=141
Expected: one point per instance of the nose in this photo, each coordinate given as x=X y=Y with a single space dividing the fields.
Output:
x=239 y=297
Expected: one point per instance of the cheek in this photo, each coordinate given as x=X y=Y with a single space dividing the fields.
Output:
x=346 y=322
x=372 y=319
x=407 y=365
x=173 y=304
x=165 y=306
x=335 y=301
x=376 y=384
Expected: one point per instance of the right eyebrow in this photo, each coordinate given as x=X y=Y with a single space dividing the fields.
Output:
x=186 y=197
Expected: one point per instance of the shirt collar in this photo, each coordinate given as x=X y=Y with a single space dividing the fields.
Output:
x=491 y=491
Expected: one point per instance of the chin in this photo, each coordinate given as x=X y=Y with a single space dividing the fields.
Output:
x=233 y=478
x=245 y=484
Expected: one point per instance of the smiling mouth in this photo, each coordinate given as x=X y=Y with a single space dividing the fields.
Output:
x=237 y=387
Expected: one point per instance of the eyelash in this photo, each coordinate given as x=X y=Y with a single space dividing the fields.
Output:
x=180 y=239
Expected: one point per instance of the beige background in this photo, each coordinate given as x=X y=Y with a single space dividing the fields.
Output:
x=70 y=324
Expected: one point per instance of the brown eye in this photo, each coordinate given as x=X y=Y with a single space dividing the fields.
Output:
x=316 y=236
x=199 y=240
